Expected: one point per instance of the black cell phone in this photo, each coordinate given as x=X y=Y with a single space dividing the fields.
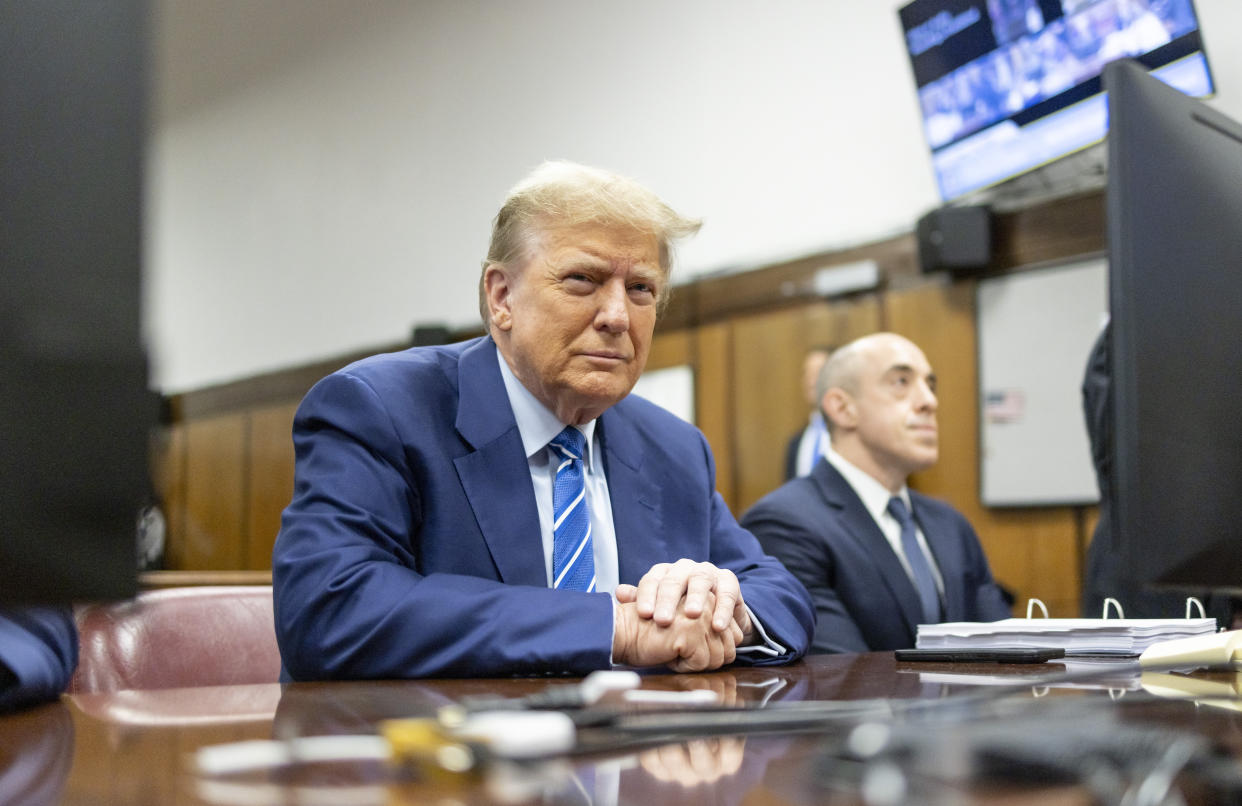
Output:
x=1023 y=655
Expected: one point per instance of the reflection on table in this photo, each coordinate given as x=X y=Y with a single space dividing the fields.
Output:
x=862 y=729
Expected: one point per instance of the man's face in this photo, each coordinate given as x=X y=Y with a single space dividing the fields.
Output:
x=575 y=320
x=896 y=406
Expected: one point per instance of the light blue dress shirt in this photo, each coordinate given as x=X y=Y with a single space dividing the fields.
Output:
x=537 y=425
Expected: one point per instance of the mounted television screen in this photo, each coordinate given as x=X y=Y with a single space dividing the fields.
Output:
x=1007 y=86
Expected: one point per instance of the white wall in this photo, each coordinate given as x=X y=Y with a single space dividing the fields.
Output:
x=324 y=172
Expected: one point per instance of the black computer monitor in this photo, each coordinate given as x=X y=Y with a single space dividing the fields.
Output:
x=75 y=411
x=1175 y=275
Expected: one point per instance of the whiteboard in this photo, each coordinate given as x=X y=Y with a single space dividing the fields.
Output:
x=1035 y=331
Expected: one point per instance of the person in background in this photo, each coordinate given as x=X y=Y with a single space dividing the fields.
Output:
x=38 y=653
x=806 y=447
x=1103 y=576
x=503 y=505
x=878 y=558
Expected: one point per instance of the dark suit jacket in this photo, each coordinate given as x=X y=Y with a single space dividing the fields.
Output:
x=39 y=650
x=412 y=547
x=1103 y=576
x=864 y=600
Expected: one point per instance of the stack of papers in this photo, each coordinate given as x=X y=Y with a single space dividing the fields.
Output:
x=1044 y=675
x=1077 y=636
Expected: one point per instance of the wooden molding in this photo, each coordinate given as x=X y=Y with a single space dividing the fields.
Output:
x=1059 y=229
x=148 y=580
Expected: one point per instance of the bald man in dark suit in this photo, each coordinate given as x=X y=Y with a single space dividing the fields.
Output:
x=877 y=558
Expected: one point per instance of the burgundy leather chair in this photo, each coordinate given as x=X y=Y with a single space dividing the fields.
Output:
x=178 y=637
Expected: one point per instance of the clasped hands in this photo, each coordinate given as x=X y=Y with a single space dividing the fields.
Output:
x=686 y=615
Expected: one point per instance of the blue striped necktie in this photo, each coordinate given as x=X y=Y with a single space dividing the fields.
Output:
x=573 y=561
x=924 y=582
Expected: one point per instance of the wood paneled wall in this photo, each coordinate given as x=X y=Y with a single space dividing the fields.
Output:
x=767 y=390
x=225 y=466
x=227 y=478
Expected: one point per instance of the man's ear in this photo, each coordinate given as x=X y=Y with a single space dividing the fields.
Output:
x=498 y=286
x=839 y=408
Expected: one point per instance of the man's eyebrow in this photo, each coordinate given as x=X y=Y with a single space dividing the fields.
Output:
x=906 y=369
x=644 y=271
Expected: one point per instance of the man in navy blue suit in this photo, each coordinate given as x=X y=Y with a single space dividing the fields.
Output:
x=878 y=558
x=38 y=653
x=423 y=538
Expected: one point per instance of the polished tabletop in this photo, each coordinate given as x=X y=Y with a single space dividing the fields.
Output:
x=831 y=729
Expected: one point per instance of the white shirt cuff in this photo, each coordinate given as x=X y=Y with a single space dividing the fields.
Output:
x=768 y=647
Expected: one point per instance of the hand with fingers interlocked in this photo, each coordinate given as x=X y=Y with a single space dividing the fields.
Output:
x=692 y=609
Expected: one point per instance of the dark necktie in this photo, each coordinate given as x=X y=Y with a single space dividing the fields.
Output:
x=573 y=560
x=920 y=569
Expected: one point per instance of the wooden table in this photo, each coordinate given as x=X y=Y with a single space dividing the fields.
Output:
x=929 y=733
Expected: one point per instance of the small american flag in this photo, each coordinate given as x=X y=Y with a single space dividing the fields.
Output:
x=1004 y=405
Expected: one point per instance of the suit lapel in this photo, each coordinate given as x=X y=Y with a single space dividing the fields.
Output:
x=496 y=475
x=866 y=534
x=635 y=496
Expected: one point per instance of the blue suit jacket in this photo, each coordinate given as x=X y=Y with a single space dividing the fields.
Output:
x=864 y=600
x=39 y=647
x=412 y=547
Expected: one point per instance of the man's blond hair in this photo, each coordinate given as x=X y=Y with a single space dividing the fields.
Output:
x=565 y=194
